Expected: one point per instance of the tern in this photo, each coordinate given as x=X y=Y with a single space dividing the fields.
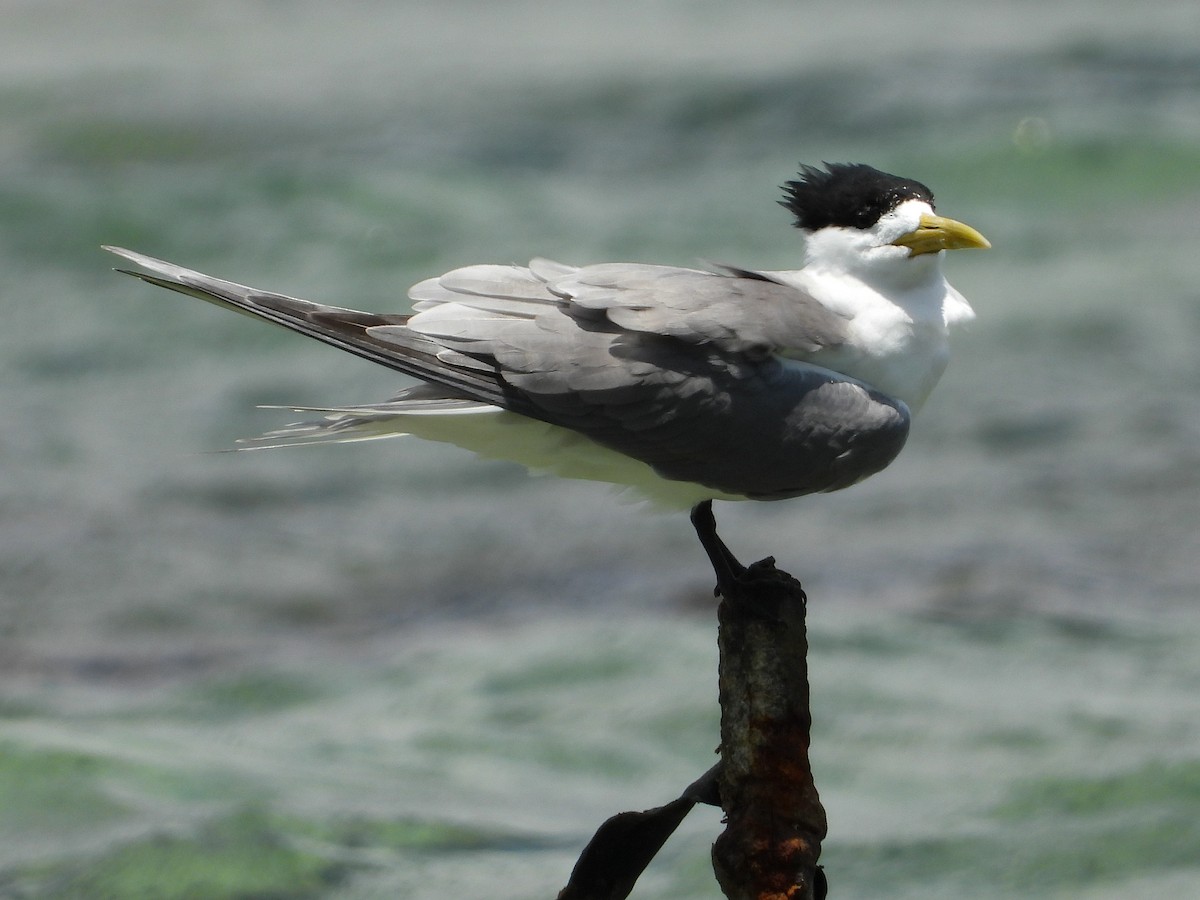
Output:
x=685 y=385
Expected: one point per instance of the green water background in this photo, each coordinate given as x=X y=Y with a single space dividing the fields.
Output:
x=390 y=670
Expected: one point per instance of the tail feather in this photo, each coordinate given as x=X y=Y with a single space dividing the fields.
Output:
x=365 y=422
x=394 y=346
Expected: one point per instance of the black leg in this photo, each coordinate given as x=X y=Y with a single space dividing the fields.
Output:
x=725 y=565
x=731 y=574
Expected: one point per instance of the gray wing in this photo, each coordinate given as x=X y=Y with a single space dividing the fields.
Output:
x=669 y=366
x=673 y=367
x=737 y=310
x=763 y=428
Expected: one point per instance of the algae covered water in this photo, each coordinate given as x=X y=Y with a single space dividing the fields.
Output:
x=392 y=670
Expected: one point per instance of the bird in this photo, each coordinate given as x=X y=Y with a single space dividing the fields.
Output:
x=683 y=385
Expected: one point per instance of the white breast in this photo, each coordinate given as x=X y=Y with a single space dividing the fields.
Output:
x=897 y=337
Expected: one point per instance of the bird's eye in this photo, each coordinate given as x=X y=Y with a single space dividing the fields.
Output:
x=865 y=218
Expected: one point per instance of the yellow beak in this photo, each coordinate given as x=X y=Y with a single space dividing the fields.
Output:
x=939 y=233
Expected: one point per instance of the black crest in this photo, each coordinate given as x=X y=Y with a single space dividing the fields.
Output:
x=849 y=195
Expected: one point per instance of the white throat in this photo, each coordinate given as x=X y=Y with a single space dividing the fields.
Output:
x=900 y=306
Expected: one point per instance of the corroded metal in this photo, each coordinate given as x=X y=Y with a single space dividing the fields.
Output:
x=774 y=819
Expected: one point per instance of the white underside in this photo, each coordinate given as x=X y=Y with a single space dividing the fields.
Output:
x=495 y=433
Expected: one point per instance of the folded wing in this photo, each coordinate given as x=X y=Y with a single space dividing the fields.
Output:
x=677 y=368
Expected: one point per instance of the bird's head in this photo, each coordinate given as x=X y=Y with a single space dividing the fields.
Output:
x=856 y=217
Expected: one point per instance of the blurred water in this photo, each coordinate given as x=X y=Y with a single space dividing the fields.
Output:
x=1005 y=629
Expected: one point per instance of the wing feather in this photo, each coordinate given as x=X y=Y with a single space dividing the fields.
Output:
x=737 y=311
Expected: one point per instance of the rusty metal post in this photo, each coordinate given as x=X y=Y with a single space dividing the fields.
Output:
x=774 y=819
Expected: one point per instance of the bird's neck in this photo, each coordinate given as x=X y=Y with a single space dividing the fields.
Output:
x=898 y=316
x=914 y=287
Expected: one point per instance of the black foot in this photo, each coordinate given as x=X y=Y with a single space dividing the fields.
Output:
x=731 y=574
